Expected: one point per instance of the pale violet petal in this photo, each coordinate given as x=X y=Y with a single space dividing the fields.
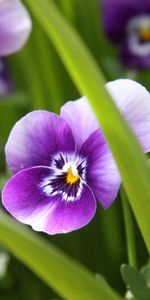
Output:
x=81 y=119
x=133 y=100
x=15 y=26
x=25 y=199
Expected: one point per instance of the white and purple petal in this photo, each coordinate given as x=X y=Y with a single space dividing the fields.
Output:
x=15 y=26
x=25 y=198
x=101 y=174
x=36 y=138
x=133 y=100
x=81 y=119
x=133 y=60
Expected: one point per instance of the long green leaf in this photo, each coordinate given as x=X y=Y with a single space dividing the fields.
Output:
x=88 y=78
x=70 y=279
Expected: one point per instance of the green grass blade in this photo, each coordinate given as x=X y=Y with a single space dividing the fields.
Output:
x=88 y=78
x=67 y=277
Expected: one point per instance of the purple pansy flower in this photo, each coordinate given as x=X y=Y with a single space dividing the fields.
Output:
x=63 y=164
x=127 y=23
x=6 y=84
x=15 y=26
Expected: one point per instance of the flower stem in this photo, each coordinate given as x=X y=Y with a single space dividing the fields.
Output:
x=129 y=228
x=131 y=74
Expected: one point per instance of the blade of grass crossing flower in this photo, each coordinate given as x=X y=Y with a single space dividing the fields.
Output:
x=70 y=279
x=88 y=78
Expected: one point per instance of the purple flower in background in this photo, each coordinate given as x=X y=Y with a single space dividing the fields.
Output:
x=63 y=164
x=6 y=85
x=15 y=26
x=127 y=23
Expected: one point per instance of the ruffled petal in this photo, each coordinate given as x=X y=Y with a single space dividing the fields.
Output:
x=15 y=26
x=102 y=174
x=81 y=119
x=25 y=198
x=35 y=138
x=116 y=14
x=133 y=100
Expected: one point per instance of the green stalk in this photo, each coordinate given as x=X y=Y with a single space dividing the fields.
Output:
x=110 y=226
x=129 y=229
x=31 y=74
x=132 y=74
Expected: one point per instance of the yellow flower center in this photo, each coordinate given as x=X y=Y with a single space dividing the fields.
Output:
x=145 y=34
x=72 y=178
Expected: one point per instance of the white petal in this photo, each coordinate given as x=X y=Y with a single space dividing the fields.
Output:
x=133 y=100
x=81 y=118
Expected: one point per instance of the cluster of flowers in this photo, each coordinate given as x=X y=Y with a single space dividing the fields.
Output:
x=62 y=163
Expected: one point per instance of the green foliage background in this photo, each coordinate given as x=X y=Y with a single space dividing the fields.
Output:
x=42 y=82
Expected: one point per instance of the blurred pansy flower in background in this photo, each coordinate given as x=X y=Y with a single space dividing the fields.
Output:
x=63 y=164
x=127 y=23
x=6 y=85
x=15 y=26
